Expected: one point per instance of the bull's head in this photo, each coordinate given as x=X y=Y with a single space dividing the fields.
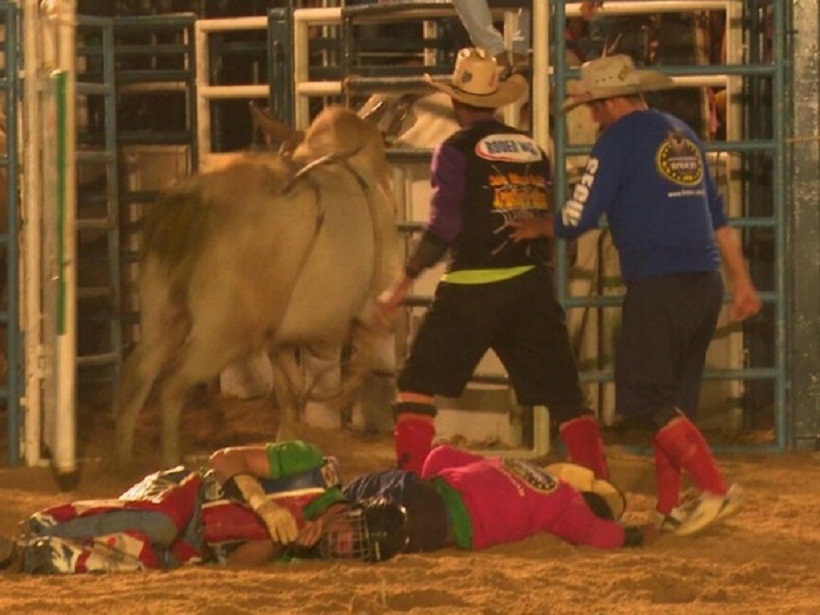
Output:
x=387 y=114
x=331 y=133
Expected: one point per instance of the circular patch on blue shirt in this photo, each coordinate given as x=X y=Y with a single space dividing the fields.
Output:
x=679 y=160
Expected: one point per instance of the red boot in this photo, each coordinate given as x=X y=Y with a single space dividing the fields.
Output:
x=584 y=444
x=413 y=439
x=687 y=450
x=667 y=480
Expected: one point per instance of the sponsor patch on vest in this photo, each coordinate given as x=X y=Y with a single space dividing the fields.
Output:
x=533 y=476
x=508 y=148
x=678 y=159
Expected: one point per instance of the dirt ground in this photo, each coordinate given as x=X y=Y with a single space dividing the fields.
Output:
x=766 y=559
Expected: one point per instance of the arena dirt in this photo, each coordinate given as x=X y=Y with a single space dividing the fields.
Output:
x=766 y=559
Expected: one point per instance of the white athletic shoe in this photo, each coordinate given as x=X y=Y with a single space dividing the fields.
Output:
x=670 y=521
x=709 y=509
x=732 y=502
x=51 y=555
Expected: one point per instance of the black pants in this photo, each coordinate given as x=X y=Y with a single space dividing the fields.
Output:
x=668 y=322
x=520 y=320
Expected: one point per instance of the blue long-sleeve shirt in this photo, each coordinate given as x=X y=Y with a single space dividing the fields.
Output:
x=647 y=173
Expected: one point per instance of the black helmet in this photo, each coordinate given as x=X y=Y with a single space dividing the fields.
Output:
x=373 y=530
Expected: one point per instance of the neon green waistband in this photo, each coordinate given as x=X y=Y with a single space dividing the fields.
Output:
x=484 y=276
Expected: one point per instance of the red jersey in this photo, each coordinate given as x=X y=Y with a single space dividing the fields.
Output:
x=508 y=500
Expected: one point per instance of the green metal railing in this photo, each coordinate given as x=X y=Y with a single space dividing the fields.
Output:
x=12 y=384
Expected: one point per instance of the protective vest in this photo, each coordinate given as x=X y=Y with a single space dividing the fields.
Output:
x=508 y=176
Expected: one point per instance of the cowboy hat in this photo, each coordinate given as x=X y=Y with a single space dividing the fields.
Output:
x=613 y=76
x=475 y=81
x=583 y=480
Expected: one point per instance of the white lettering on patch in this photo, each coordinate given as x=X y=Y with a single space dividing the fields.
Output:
x=508 y=148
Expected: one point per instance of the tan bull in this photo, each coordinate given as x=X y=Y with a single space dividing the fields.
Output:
x=268 y=253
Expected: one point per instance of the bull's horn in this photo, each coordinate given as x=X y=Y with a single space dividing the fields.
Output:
x=374 y=114
x=273 y=128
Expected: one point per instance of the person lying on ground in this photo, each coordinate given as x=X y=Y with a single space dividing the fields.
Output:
x=249 y=505
x=472 y=502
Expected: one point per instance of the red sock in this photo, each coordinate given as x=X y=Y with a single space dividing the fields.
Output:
x=687 y=449
x=584 y=444
x=413 y=439
x=667 y=480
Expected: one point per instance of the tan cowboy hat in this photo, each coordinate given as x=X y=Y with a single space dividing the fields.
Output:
x=613 y=76
x=475 y=81
x=583 y=479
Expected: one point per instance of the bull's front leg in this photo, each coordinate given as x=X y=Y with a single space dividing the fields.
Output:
x=288 y=392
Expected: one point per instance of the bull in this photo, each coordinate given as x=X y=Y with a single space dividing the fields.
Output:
x=271 y=253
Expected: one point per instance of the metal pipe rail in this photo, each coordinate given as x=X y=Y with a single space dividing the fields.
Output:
x=303 y=19
x=12 y=387
x=642 y=7
x=206 y=92
x=744 y=146
x=100 y=84
x=158 y=66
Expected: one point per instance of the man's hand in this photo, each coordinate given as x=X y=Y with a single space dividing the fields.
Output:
x=310 y=533
x=650 y=533
x=640 y=535
x=529 y=228
x=391 y=299
x=745 y=302
x=279 y=521
x=745 y=299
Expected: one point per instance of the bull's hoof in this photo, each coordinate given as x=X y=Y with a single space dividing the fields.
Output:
x=124 y=465
x=67 y=481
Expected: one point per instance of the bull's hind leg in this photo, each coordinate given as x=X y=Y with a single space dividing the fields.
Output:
x=174 y=390
x=138 y=376
x=199 y=360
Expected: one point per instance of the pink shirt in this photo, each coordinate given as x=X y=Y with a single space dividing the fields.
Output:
x=509 y=500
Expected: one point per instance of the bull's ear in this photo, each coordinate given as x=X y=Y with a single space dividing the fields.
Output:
x=271 y=128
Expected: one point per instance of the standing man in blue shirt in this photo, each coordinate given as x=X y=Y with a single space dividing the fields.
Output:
x=647 y=173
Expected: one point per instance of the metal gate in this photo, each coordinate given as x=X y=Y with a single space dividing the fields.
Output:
x=780 y=230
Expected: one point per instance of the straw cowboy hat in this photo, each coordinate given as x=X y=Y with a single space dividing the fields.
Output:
x=583 y=479
x=613 y=76
x=475 y=81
